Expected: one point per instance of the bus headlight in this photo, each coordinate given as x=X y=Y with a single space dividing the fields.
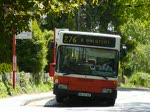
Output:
x=62 y=86
x=56 y=79
x=106 y=90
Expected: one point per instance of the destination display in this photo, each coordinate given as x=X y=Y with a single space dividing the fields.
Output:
x=89 y=40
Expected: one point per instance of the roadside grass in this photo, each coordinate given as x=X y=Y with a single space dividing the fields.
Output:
x=24 y=87
x=137 y=80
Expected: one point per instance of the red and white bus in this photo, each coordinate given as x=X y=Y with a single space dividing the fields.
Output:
x=85 y=64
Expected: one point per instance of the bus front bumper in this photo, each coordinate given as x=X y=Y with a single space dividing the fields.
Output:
x=72 y=93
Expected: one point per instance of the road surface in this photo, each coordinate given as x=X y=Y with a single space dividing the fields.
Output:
x=128 y=100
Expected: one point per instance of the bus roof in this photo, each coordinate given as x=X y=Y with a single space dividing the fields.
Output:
x=91 y=33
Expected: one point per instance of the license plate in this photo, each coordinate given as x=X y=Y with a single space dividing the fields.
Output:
x=84 y=94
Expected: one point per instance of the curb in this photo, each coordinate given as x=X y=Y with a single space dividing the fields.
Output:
x=35 y=99
x=132 y=89
x=38 y=97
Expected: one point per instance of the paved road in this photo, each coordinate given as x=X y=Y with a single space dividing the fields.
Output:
x=128 y=101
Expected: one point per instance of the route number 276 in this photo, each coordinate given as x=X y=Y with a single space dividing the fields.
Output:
x=70 y=39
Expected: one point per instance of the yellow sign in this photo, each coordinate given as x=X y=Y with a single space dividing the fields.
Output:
x=89 y=40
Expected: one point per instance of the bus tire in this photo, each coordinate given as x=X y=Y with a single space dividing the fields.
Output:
x=111 y=102
x=59 y=98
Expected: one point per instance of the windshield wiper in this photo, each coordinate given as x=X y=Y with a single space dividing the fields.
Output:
x=105 y=77
x=66 y=73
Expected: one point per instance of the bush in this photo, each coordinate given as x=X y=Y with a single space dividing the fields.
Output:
x=25 y=85
x=3 y=90
x=140 y=79
x=6 y=88
x=24 y=82
x=5 y=68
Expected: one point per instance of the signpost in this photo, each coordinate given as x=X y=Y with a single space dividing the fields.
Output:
x=22 y=35
x=13 y=58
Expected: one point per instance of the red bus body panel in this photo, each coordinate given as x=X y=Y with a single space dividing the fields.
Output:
x=86 y=85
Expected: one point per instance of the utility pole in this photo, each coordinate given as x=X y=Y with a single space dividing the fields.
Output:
x=13 y=58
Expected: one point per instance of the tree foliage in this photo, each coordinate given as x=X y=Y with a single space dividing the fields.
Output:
x=5 y=49
x=32 y=53
x=96 y=17
x=5 y=68
x=137 y=38
x=140 y=79
x=15 y=14
x=64 y=21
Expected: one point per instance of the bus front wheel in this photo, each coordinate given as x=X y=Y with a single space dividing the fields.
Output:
x=111 y=102
x=59 y=98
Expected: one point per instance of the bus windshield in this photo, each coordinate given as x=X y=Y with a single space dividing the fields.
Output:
x=87 y=61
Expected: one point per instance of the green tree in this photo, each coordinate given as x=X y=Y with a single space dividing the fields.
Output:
x=5 y=50
x=137 y=38
x=49 y=37
x=95 y=17
x=32 y=53
x=64 y=21
x=15 y=14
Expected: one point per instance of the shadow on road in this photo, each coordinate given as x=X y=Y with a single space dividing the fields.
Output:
x=76 y=102
x=119 y=107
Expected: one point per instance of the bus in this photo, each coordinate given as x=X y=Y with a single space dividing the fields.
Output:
x=85 y=64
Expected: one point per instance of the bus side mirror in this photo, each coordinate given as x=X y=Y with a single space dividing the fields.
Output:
x=52 y=44
x=124 y=50
x=52 y=69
